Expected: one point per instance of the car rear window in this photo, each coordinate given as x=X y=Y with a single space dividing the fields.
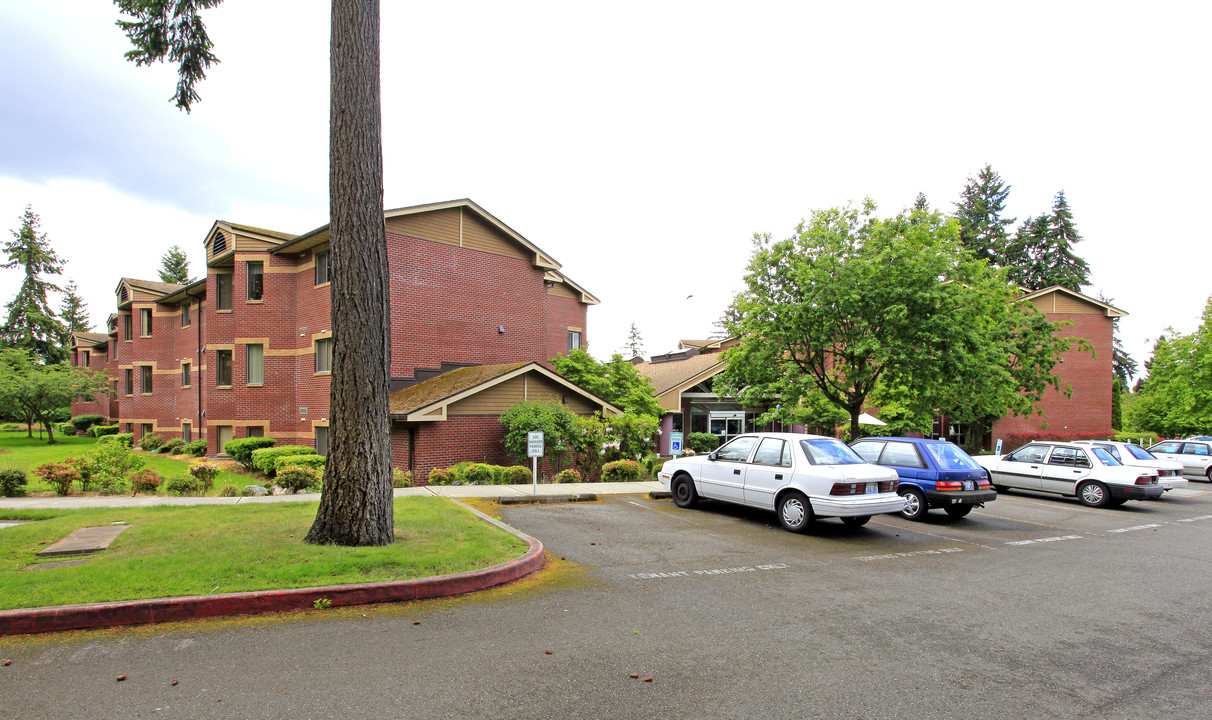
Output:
x=950 y=457
x=1195 y=449
x=1105 y=456
x=868 y=450
x=1139 y=452
x=826 y=451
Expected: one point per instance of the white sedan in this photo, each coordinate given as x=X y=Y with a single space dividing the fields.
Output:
x=1169 y=473
x=1090 y=473
x=1194 y=455
x=801 y=477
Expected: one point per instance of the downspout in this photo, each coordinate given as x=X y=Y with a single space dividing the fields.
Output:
x=198 y=366
x=412 y=445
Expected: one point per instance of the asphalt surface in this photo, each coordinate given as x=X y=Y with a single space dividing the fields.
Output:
x=1033 y=607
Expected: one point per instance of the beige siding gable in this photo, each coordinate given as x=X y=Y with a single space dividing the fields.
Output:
x=440 y=225
x=478 y=235
x=492 y=400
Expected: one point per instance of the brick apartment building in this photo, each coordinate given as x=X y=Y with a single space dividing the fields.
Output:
x=683 y=383
x=476 y=312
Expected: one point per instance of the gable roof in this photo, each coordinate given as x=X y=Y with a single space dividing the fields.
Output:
x=671 y=377
x=149 y=289
x=428 y=400
x=1109 y=310
x=90 y=339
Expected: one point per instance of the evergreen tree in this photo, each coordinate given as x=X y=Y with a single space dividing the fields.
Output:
x=73 y=311
x=983 y=230
x=920 y=204
x=174 y=267
x=31 y=324
x=1063 y=266
x=635 y=344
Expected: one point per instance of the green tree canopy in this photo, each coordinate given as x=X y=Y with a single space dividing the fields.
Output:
x=617 y=381
x=982 y=229
x=31 y=324
x=851 y=301
x=174 y=267
x=37 y=390
x=1176 y=398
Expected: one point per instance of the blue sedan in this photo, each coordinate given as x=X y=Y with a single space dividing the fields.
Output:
x=933 y=474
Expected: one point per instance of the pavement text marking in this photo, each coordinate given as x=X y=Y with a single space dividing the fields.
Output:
x=712 y=571
x=894 y=556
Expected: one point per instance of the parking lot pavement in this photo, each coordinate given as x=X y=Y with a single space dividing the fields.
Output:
x=1033 y=607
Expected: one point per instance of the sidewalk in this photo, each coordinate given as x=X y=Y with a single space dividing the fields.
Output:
x=504 y=493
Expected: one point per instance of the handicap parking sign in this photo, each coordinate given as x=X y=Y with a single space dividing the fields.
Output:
x=675 y=443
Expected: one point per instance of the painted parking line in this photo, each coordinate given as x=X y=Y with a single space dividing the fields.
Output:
x=912 y=553
x=1194 y=519
x=1134 y=528
x=707 y=572
x=1037 y=541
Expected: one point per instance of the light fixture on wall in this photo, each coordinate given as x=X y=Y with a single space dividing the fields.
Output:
x=501 y=329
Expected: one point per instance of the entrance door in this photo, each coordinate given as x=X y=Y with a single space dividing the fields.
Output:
x=727 y=424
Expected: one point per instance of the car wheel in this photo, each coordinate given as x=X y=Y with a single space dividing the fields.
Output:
x=958 y=511
x=1208 y=475
x=1094 y=494
x=684 y=494
x=1116 y=502
x=856 y=521
x=915 y=504
x=795 y=512
x=1001 y=489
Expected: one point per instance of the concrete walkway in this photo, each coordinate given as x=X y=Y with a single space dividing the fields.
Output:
x=504 y=493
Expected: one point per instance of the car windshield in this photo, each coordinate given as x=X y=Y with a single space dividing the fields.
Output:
x=827 y=451
x=950 y=457
x=1139 y=452
x=1105 y=456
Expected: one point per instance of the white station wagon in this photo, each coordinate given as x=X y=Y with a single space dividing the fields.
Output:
x=801 y=477
x=1091 y=474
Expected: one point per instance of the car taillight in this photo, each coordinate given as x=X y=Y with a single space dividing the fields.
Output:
x=982 y=484
x=948 y=486
x=860 y=488
x=889 y=485
x=1145 y=480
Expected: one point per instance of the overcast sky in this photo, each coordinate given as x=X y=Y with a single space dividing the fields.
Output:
x=640 y=144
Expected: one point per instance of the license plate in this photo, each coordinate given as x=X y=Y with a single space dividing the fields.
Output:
x=969 y=485
x=873 y=488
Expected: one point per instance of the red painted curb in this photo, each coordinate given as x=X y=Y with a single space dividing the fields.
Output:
x=135 y=612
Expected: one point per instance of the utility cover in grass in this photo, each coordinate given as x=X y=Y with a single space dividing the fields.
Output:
x=84 y=541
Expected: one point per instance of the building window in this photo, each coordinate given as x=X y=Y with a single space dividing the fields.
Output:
x=185 y=318
x=130 y=427
x=187 y=432
x=114 y=396
x=223 y=368
x=145 y=373
x=324 y=355
x=130 y=381
x=185 y=375
x=256 y=431
x=223 y=292
x=224 y=433
x=323 y=268
x=574 y=340
x=256 y=280
x=127 y=327
x=84 y=358
x=256 y=364
x=145 y=429
x=322 y=440
x=145 y=322
x=114 y=352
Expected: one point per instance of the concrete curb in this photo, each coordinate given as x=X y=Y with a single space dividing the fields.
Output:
x=533 y=499
x=25 y=621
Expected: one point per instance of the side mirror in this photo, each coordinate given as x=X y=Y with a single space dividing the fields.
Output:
x=712 y=455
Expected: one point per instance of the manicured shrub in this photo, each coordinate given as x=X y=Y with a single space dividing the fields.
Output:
x=702 y=442
x=60 y=475
x=229 y=490
x=197 y=448
x=297 y=477
x=311 y=461
x=124 y=439
x=84 y=422
x=103 y=430
x=151 y=442
x=401 y=478
x=108 y=464
x=568 y=475
x=439 y=476
x=12 y=482
x=184 y=485
x=145 y=481
x=175 y=446
x=517 y=475
x=265 y=458
x=12 y=427
x=241 y=450
x=478 y=474
x=650 y=466
x=65 y=429
x=204 y=472
x=621 y=471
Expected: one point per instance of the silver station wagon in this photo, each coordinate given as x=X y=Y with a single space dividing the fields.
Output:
x=1091 y=474
x=801 y=477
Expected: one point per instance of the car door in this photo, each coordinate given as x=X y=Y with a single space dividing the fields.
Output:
x=770 y=469
x=1169 y=450
x=904 y=458
x=723 y=475
x=1066 y=467
x=1021 y=468
x=1195 y=458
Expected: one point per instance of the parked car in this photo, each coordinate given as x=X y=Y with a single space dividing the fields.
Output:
x=1199 y=437
x=1195 y=456
x=801 y=477
x=1091 y=474
x=1169 y=473
x=933 y=474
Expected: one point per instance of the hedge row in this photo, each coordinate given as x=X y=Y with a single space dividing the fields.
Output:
x=266 y=459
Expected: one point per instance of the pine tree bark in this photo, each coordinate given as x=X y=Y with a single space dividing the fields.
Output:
x=356 y=503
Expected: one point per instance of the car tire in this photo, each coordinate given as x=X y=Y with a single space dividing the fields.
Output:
x=915 y=504
x=1208 y=475
x=684 y=494
x=856 y=521
x=795 y=512
x=1116 y=502
x=958 y=511
x=1001 y=489
x=1093 y=494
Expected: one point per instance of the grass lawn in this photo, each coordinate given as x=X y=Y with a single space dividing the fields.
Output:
x=23 y=453
x=200 y=550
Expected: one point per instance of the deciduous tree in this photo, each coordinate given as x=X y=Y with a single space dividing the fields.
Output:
x=38 y=390
x=1176 y=398
x=616 y=381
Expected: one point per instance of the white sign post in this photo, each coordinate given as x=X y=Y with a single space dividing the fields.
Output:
x=534 y=450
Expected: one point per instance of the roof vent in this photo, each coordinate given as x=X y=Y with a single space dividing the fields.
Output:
x=220 y=245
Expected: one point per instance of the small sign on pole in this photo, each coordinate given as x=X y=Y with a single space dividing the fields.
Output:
x=998 y=450
x=675 y=443
x=534 y=449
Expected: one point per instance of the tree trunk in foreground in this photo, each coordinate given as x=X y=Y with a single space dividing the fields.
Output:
x=356 y=504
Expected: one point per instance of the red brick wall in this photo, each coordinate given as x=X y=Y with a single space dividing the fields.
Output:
x=1088 y=412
